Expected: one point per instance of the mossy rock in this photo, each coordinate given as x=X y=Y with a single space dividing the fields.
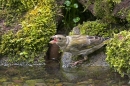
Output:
x=97 y=28
x=94 y=28
x=31 y=82
x=31 y=41
x=118 y=52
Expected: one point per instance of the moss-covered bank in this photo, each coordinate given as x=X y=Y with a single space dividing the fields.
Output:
x=31 y=41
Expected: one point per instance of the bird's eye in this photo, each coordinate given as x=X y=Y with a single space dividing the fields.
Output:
x=59 y=38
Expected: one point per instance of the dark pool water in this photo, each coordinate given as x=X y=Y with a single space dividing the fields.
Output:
x=52 y=75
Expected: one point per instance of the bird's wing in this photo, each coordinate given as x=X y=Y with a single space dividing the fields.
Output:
x=80 y=42
x=95 y=40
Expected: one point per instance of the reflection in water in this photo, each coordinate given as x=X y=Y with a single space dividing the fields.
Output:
x=52 y=75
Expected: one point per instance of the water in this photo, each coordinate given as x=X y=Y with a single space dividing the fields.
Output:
x=52 y=75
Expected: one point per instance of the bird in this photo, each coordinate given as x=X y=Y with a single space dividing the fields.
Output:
x=78 y=44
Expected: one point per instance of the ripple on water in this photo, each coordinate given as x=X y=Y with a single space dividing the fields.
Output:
x=51 y=74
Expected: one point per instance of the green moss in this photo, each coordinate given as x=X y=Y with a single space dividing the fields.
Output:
x=32 y=40
x=31 y=82
x=128 y=16
x=93 y=28
x=103 y=10
x=96 y=28
x=118 y=52
x=99 y=28
x=13 y=10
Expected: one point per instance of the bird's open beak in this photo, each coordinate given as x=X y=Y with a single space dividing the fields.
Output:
x=53 y=41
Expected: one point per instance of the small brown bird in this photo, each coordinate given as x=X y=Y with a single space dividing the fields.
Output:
x=78 y=44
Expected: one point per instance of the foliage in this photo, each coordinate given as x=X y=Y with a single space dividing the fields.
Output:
x=71 y=17
x=118 y=52
x=103 y=10
x=94 y=28
x=116 y=1
x=12 y=10
x=128 y=16
x=20 y=4
x=98 y=28
x=32 y=40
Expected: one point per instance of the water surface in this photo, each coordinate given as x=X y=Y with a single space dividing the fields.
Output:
x=52 y=75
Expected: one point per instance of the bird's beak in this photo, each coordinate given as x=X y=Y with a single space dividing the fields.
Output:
x=53 y=41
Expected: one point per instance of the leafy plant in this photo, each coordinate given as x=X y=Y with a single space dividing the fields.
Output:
x=118 y=53
x=31 y=41
x=71 y=17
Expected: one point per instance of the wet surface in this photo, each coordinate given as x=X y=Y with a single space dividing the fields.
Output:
x=52 y=75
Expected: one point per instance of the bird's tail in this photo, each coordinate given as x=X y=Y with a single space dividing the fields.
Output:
x=106 y=40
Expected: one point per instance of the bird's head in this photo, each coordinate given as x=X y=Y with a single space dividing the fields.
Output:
x=60 y=40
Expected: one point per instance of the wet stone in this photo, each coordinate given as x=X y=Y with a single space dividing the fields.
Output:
x=25 y=84
x=84 y=82
x=31 y=82
x=18 y=84
x=129 y=82
x=17 y=80
x=3 y=79
x=56 y=80
x=50 y=84
x=59 y=84
x=68 y=84
x=49 y=81
x=7 y=84
x=40 y=84
x=85 y=85
x=39 y=80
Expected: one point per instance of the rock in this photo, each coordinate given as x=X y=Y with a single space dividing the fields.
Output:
x=3 y=79
x=25 y=84
x=12 y=71
x=89 y=81
x=56 y=80
x=123 y=7
x=31 y=82
x=59 y=84
x=97 y=59
x=129 y=82
x=40 y=84
x=68 y=84
x=39 y=80
x=49 y=81
x=76 y=31
x=59 y=17
x=66 y=59
x=7 y=84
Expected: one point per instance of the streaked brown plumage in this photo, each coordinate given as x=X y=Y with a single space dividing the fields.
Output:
x=78 y=44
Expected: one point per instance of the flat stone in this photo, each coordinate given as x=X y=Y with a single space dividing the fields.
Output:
x=40 y=84
x=7 y=83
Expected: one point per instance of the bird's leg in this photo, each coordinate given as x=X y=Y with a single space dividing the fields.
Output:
x=79 y=61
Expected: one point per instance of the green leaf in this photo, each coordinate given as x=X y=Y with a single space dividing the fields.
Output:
x=75 y=20
x=67 y=3
x=75 y=5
